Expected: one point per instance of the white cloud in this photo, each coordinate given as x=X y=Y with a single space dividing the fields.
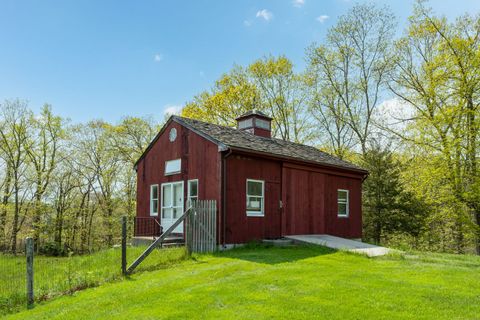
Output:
x=172 y=109
x=322 y=18
x=247 y=23
x=394 y=114
x=157 y=57
x=298 y=3
x=265 y=14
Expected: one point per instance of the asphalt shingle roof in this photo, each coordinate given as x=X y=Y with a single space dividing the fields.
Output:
x=231 y=137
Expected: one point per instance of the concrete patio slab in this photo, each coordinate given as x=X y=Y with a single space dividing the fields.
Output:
x=341 y=244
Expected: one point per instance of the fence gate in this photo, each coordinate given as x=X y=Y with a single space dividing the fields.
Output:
x=201 y=227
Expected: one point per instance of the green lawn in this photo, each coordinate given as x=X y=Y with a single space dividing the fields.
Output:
x=284 y=283
x=56 y=276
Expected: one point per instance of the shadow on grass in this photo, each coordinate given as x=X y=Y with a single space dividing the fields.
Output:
x=268 y=254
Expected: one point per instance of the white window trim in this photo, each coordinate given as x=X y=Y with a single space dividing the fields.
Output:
x=347 y=204
x=255 y=213
x=188 y=189
x=152 y=213
x=173 y=172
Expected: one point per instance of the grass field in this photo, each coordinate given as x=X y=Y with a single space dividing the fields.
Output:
x=55 y=276
x=284 y=283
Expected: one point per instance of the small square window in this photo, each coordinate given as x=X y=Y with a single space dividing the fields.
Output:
x=263 y=124
x=255 y=198
x=247 y=123
x=173 y=166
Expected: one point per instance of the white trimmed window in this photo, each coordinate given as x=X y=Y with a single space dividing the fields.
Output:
x=154 y=200
x=343 y=202
x=173 y=166
x=192 y=191
x=255 y=198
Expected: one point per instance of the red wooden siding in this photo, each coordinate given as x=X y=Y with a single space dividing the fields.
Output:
x=304 y=201
x=350 y=227
x=200 y=160
x=241 y=228
x=308 y=194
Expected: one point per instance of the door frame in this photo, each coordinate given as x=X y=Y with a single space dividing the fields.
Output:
x=179 y=228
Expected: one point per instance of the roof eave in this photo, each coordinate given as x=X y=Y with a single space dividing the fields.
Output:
x=150 y=145
x=356 y=170
x=221 y=146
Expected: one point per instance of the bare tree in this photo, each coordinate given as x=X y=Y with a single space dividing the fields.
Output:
x=354 y=63
x=283 y=94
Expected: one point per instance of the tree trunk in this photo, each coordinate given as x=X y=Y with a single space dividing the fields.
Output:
x=477 y=244
x=36 y=220
x=3 y=211
x=16 y=215
x=378 y=232
x=59 y=227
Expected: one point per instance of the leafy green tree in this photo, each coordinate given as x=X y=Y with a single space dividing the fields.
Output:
x=129 y=139
x=14 y=134
x=268 y=84
x=438 y=74
x=232 y=95
x=42 y=147
x=387 y=206
x=283 y=94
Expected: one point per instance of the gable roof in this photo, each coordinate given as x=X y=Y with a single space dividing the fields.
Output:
x=253 y=112
x=231 y=138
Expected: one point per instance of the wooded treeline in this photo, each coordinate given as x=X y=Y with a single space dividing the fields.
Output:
x=405 y=108
x=66 y=185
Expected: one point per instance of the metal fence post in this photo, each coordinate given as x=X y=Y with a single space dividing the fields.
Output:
x=124 y=245
x=29 y=253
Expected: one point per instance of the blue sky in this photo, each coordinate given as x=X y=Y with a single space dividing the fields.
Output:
x=109 y=59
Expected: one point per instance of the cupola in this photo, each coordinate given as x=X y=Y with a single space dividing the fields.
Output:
x=256 y=123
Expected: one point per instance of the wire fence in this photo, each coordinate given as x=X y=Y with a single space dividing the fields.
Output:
x=54 y=276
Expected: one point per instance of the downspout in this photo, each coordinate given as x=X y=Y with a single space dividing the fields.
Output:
x=224 y=198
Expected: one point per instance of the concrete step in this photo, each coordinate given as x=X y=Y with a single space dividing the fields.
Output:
x=145 y=241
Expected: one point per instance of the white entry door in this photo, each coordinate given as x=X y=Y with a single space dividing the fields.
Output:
x=172 y=205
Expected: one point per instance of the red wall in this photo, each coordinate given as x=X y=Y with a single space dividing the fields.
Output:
x=350 y=227
x=308 y=194
x=304 y=202
x=241 y=228
x=200 y=160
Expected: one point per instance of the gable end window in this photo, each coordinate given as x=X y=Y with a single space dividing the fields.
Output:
x=154 y=200
x=255 y=198
x=343 y=201
x=173 y=166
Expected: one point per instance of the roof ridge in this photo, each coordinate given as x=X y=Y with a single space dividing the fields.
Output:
x=230 y=137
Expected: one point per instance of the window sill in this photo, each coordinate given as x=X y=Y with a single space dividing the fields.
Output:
x=343 y=217
x=153 y=214
x=173 y=173
x=255 y=214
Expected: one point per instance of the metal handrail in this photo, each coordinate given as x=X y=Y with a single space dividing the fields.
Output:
x=158 y=241
x=147 y=226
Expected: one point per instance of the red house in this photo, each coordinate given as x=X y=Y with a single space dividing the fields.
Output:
x=265 y=188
